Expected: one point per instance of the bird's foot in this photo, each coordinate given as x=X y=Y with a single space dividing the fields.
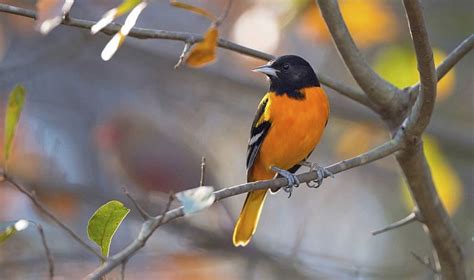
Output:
x=320 y=171
x=293 y=181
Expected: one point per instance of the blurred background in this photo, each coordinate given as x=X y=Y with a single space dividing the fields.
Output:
x=90 y=127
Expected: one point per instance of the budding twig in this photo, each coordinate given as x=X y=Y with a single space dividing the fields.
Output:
x=203 y=171
x=145 y=215
x=42 y=208
x=187 y=47
x=414 y=216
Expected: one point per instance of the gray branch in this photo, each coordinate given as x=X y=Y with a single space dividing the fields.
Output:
x=422 y=109
x=448 y=63
x=189 y=38
x=391 y=103
x=382 y=93
x=413 y=216
x=149 y=226
x=413 y=161
x=50 y=215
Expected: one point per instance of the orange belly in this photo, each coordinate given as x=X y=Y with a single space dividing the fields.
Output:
x=297 y=127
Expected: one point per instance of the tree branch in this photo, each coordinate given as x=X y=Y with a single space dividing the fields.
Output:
x=151 y=225
x=421 y=112
x=412 y=159
x=47 y=251
x=450 y=61
x=188 y=38
x=413 y=216
x=48 y=213
x=382 y=93
x=441 y=229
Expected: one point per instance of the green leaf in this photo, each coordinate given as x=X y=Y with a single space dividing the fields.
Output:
x=11 y=229
x=126 y=6
x=105 y=222
x=12 y=116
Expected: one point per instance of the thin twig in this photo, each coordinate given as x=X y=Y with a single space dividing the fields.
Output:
x=187 y=46
x=150 y=226
x=381 y=93
x=424 y=262
x=53 y=217
x=122 y=270
x=143 y=33
x=422 y=109
x=224 y=14
x=450 y=61
x=203 y=171
x=47 y=251
x=145 y=215
x=413 y=160
x=405 y=221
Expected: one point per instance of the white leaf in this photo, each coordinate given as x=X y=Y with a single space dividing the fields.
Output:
x=131 y=19
x=51 y=14
x=21 y=225
x=104 y=21
x=194 y=200
x=112 y=46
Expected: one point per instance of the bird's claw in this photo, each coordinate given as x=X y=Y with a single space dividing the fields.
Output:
x=293 y=181
x=320 y=171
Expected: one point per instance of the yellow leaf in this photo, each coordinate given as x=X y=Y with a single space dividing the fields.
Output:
x=16 y=101
x=360 y=17
x=204 y=52
x=193 y=9
x=397 y=64
x=446 y=180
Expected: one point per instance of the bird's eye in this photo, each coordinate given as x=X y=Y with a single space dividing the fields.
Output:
x=286 y=66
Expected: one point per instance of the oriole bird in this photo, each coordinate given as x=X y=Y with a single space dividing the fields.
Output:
x=288 y=125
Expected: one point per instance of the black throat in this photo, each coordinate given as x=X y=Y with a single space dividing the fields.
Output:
x=292 y=90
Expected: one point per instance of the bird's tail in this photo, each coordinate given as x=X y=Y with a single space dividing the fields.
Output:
x=248 y=219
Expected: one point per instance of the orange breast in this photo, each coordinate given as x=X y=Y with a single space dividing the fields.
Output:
x=297 y=126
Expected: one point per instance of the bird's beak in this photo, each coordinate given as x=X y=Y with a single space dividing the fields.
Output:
x=267 y=69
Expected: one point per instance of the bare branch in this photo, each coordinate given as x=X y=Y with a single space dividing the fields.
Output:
x=353 y=93
x=148 y=227
x=450 y=61
x=422 y=109
x=380 y=92
x=441 y=229
x=224 y=14
x=151 y=225
x=191 y=38
x=186 y=48
x=425 y=262
x=47 y=251
x=48 y=213
x=145 y=215
x=122 y=269
x=413 y=216
x=203 y=171
x=413 y=162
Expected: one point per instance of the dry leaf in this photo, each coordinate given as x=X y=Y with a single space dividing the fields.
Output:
x=119 y=38
x=51 y=14
x=193 y=9
x=204 y=52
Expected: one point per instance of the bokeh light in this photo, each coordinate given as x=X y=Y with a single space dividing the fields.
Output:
x=257 y=28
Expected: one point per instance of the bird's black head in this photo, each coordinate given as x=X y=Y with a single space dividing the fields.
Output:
x=289 y=74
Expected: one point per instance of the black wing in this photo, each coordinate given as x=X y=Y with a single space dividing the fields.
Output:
x=257 y=133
